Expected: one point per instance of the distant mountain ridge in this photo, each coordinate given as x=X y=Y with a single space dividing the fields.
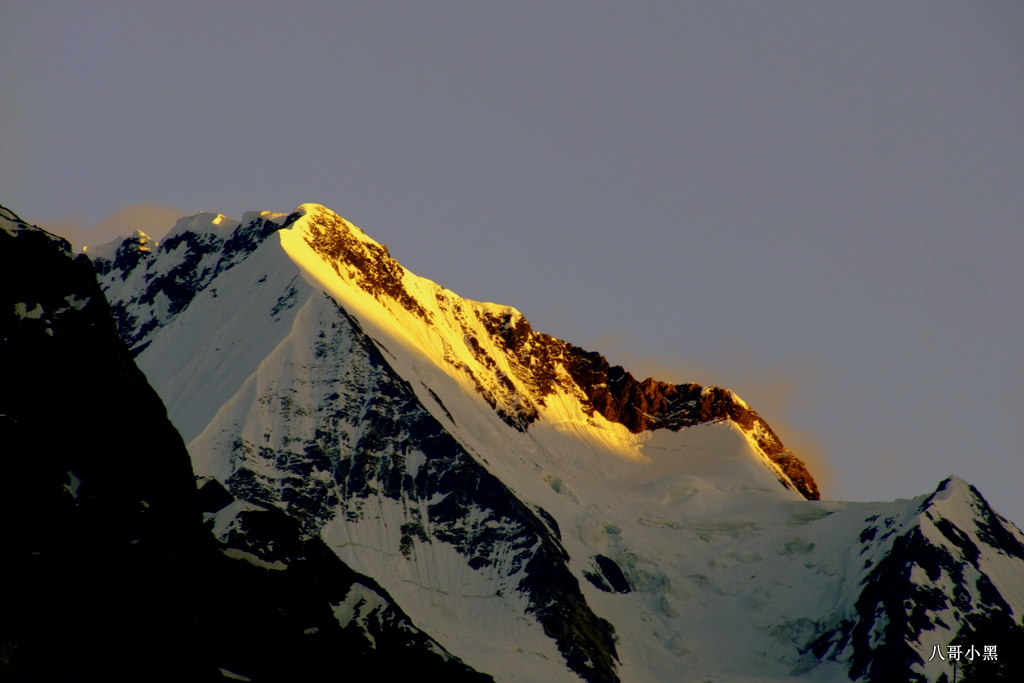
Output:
x=540 y=514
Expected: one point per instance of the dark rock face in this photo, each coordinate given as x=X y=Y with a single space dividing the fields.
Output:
x=97 y=492
x=609 y=576
x=111 y=573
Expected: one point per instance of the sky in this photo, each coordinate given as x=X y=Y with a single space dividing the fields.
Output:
x=817 y=204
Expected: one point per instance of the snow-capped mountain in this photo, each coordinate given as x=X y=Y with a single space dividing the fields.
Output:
x=540 y=514
x=110 y=572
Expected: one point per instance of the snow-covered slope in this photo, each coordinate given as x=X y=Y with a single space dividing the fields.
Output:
x=542 y=515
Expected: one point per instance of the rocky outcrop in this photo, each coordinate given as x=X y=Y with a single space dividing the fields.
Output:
x=544 y=363
x=367 y=262
x=650 y=404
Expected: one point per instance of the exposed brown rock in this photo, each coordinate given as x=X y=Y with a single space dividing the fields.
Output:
x=369 y=263
x=639 y=405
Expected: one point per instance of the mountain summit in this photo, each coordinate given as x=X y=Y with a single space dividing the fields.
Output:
x=540 y=514
x=517 y=371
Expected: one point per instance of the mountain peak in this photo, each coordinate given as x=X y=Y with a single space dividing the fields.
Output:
x=544 y=513
x=355 y=256
x=493 y=350
x=488 y=350
x=328 y=218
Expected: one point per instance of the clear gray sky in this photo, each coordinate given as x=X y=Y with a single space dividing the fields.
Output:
x=817 y=204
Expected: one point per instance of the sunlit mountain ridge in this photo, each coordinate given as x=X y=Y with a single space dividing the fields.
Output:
x=538 y=513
